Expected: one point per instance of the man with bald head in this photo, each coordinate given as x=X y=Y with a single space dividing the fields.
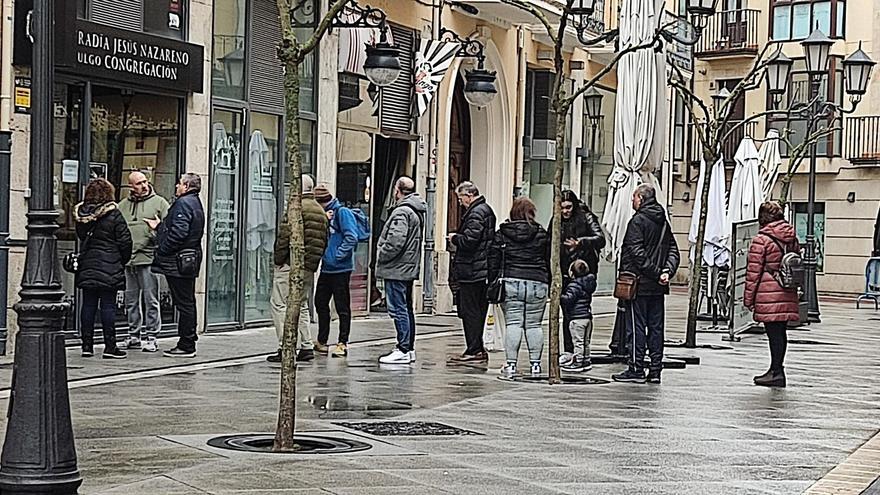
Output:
x=398 y=258
x=141 y=285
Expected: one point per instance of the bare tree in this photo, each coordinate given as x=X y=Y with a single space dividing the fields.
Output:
x=292 y=53
x=561 y=104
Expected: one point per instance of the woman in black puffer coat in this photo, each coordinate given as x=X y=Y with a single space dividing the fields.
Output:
x=105 y=249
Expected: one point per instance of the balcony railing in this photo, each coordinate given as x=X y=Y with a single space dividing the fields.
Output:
x=730 y=32
x=863 y=140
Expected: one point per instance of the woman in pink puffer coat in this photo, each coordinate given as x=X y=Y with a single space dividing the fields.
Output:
x=770 y=303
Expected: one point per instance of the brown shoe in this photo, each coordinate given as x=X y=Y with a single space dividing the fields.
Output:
x=470 y=358
x=321 y=348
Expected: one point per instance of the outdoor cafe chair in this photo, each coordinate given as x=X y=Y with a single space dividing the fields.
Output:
x=872 y=283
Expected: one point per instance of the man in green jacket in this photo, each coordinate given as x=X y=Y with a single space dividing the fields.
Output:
x=316 y=228
x=141 y=285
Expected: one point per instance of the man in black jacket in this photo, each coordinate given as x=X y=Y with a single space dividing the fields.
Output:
x=651 y=253
x=582 y=239
x=179 y=256
x=470 y=268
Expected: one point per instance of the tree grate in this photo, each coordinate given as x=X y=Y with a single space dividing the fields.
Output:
x=406 y=429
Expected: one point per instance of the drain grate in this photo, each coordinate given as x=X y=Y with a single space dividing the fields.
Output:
x=406 y=429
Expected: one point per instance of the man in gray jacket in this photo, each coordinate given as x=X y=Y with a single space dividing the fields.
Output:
x=399 y=254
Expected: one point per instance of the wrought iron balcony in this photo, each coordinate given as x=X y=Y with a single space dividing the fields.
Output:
x=730 y=33
x=862 y=140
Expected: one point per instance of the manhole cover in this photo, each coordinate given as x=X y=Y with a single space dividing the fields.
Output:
x=307 y=444
x=406 y=429
x=566 y=380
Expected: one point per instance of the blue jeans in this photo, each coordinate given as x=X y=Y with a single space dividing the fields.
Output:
x=645 y=319
x=398 y=296
x=88 y=311
x=524 y=304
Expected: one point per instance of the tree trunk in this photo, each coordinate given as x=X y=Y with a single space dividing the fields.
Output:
x=287 y=407
x=690 y=340
x=555 y=245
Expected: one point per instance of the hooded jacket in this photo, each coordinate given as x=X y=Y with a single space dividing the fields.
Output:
x=472 y=243
x=520 y=249
x=135 y=209
x=183 y=228
x=339 y=255
x=577 y=298
x=105 y=246
x=763 y=295
x=399 y=251
x=584 y=226
x=315 y=231
x=642 y=253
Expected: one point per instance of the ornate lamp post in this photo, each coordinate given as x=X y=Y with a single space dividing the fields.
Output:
x=39 y=455
x=593 y=108
x=857 y=74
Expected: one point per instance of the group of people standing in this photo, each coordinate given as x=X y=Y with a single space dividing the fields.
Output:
x=125 y=247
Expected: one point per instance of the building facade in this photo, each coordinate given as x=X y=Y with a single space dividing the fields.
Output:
x=848 y=163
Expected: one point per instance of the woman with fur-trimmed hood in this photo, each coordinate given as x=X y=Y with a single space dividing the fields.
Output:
x=105 y=248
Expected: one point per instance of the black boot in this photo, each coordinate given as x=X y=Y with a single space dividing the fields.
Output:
x=773 y=379
x=765 y=376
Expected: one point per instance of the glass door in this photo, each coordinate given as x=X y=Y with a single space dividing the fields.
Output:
x=224 y=207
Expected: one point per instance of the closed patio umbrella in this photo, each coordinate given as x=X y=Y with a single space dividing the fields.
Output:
x=770 y=161
x=715 y=249
x=640 y=116
x=746 y=192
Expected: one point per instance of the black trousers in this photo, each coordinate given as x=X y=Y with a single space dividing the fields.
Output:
x=567 y=342
x=472 y=308
x=618 y=334
x=777 y=334
x=646 y=317
x=333 y=286
x=90 y=300
x=183 y=295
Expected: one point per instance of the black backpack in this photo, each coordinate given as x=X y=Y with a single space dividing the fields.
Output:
x=791 y=269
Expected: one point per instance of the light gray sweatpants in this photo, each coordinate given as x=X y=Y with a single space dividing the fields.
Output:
x=581 y=333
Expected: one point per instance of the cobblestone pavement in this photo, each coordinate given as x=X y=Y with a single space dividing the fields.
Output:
x=142 y=427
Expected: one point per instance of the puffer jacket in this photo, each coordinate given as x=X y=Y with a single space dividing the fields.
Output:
x=577 y=298
x=105 y=246
x=183 y=228
x=768 y=301
x=343 y=241
x=470 y=263
x=135 y=209
x=523 y=248
x=399 y=250
x=583 y=226
x=316 y=229
x=642 y=253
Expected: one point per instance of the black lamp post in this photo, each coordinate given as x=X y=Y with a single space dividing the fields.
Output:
x=593 y=108
x=39 y=455
x=857 y=74
x=479 y=87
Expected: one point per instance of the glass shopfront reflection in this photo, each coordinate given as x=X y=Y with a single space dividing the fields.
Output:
x=354 y=151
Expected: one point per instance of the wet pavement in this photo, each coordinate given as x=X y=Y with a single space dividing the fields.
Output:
x=705 y=430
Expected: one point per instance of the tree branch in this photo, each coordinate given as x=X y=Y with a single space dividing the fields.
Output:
x=531 y=9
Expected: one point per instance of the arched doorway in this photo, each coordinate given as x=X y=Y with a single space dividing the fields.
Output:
x=459 y=152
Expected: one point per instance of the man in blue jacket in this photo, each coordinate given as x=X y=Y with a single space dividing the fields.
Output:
x=336 y=267
x=179 y=257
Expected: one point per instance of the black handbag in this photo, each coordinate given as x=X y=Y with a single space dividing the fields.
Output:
x=496 y=293
x=188 y=262
x=70 y=263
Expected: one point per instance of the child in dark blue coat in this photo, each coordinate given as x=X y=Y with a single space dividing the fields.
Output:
x=577 y=302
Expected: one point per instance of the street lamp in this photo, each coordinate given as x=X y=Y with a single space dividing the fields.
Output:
x=39 y=455
x=857 y=74
x=593 y=103
x=778 y=72
x=382 y=65
x=700 y=11
x=479 y=88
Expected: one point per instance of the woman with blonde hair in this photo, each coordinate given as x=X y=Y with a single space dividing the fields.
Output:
x=520 y=255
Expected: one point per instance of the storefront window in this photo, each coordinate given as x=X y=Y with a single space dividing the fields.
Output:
x=160 y=17
x=263 y=159
x=229 y=48
x=354 y=151
x=223 y=255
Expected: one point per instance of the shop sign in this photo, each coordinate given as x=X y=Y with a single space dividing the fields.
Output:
x=135 y=58
x=22 y=95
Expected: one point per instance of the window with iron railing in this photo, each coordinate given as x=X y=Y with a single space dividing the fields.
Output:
x=796 y=19
x=160 y=17
x=799 y=92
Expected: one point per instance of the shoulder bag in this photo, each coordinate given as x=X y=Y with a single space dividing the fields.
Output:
x=70 y=263
x=495 y=294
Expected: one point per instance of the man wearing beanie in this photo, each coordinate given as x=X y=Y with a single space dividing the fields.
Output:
x=336 y=267
x=315 y=231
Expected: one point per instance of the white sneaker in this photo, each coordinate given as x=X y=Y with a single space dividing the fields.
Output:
x=565 y=358
x=132 y=343
x=536 y=369
x=412 y=356
x=150 y=345
x=509 y=370
x=396 y=357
